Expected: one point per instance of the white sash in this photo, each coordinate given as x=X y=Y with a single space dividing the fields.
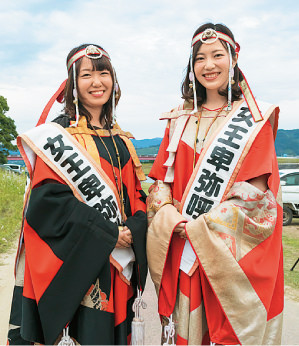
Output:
x=90 y=184
x=214 y=170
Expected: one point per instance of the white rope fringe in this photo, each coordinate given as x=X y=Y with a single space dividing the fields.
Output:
x=169 y=332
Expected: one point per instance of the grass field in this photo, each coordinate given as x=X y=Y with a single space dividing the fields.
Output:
x=290 y=241
x=146 y=169
x=11 y=203
x=288 y=160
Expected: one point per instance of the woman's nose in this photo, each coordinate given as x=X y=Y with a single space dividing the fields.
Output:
x=210 y=64
x=97 y=81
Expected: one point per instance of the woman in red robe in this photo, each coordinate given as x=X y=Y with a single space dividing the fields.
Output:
x=68 y=280
x=215 y=213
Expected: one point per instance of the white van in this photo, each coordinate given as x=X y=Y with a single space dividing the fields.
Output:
x=289 y=181
x=13 y=167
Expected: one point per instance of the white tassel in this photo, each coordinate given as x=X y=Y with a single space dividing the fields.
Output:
x=169 y=332
x=66 y=340
x=115 y=90
x=138 y=330
x=75 y=94
x=193 y=82
x=230 y=75
x=138 y=325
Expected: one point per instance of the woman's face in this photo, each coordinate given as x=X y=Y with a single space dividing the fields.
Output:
x=94 y=87
x=211 y=66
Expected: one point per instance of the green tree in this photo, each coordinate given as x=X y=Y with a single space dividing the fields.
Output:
x=8 y=131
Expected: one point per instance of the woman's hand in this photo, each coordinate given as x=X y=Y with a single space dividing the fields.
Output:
x=124 y=237
x=180 y=229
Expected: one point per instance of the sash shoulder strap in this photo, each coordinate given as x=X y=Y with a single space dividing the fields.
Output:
x=183 y=109
x=65 y=156
x=222 y=158
x=137 y=164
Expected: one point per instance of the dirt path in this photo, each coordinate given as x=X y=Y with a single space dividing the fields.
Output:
x=6 y=286
x=153 y=328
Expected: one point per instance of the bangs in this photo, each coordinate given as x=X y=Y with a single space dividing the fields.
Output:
x=101 y=64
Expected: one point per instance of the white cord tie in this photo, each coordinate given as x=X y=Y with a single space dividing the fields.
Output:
x=138 y=303
x=66 y=340
x=169 y=332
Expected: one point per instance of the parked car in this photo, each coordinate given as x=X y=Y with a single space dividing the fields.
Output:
x=12 y=167
x=5 y=168
x=289 y=180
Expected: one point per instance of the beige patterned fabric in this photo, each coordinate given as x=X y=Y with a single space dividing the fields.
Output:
x=248 y=217
x=95 y=298
x=245 y=219
x=158 y=239
x=192 y=325
x=159 y=195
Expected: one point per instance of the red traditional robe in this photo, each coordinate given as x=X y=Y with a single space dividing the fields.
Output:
x=235 y=293
x=64 y=275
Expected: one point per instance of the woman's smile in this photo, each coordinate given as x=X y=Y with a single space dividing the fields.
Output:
x=98 y=93
x=211 y=76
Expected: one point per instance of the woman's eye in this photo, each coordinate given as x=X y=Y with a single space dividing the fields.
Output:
x=218 y=55
x=85 y=75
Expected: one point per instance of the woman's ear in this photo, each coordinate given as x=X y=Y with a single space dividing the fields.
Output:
x=235 y=59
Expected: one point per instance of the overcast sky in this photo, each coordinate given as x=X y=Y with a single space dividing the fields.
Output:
x=149 y=44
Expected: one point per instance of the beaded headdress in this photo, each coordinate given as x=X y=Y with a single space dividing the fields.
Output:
x=209 y=36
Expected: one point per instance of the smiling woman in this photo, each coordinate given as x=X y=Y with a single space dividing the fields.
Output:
x=83 y=240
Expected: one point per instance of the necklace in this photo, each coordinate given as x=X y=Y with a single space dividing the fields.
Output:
x=120 y=189
x=207 y=130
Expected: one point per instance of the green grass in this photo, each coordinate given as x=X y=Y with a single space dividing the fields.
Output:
x=145 y=187
x=146 y=166
x=290 y=240
x=287 y=160
x=148 y=150
x=11 y=205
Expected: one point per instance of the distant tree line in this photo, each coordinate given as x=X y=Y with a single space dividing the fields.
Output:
x=287 y=142
x=8 y=132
